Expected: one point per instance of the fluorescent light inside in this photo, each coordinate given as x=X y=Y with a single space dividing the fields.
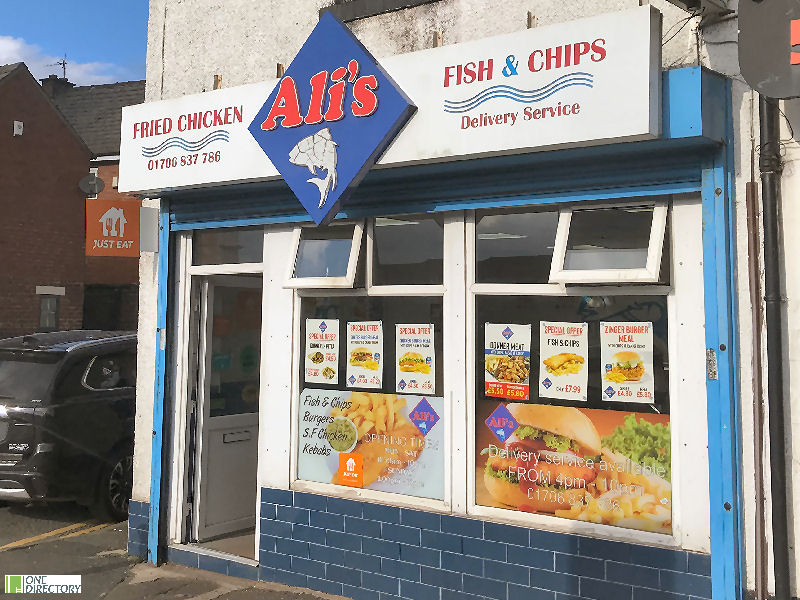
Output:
x=500 y=236
x=387 y=222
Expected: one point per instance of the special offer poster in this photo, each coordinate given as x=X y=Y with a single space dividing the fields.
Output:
x=386 y=442
x=626 y=357
x=322 y=351
x=415 y=372
x=563 y=354
x=507 y=361
x=602 y=466
x=365 y=354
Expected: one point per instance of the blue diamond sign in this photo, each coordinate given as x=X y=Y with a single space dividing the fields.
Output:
x=501 y=423
x=330 y=118
x=423 y=416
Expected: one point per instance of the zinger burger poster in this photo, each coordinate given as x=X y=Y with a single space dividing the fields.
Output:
x=626 y=359
x=602 y=466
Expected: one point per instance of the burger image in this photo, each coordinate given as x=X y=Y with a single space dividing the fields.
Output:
x=627 y=364
x=413 y=362
x=362 y=357
x=542 y=466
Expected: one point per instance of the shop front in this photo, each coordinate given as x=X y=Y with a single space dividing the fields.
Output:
x=503 y=366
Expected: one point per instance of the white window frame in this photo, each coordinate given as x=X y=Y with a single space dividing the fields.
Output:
x=649 y=274
x=326 y=282
x=395 y=290
x=453 y=294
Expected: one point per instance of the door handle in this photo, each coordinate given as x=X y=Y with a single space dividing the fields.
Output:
x=236 y=436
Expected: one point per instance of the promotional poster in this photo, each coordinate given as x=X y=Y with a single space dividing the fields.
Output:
x=384 y=442
x=626 y=356
x=416 y=361
x=507 y=361
x=602 y=466
x=563 y=358
x=322 y=351
x=365 y=354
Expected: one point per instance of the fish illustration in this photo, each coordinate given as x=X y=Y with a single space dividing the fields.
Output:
x=317 y=151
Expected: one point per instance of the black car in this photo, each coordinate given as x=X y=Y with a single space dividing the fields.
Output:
x=67 y=406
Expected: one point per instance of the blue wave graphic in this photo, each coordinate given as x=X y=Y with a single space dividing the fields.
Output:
x=522 y=96
x=186 y=145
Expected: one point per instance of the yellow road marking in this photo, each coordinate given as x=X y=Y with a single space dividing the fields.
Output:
x=44 y=536
x=87 y=530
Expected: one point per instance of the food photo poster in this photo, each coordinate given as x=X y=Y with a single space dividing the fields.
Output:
x=563 y=354
x=603 y=466
x=415 y=371
x=322 y=351
x=365 y=354
x=626 y=360
x=386 y=442
x=507 y=361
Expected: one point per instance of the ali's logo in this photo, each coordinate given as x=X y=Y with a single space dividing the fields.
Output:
x=109 y=221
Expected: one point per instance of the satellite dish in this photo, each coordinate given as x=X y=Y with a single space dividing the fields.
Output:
x=91 y=185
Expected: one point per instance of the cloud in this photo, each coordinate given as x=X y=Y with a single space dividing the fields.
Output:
x=41 y=65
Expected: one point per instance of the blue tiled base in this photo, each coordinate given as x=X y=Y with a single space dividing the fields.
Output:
x=372 y=552
x=138 y=522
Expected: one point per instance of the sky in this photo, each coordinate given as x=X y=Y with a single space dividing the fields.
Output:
x=104 y=40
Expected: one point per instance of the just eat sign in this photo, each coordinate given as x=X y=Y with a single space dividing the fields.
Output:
x=329 y=118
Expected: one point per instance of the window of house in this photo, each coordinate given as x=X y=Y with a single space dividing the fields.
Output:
x=325 y=257
x=48 y=312
x=228 y=246
x=406 y=251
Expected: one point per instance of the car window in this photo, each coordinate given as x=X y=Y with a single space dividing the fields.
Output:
x=111 y=371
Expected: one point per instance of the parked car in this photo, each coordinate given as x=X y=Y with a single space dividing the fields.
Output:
x=67 y=406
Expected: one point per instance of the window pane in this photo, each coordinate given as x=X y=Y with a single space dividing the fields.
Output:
x=408 y=251
x=544 y=472
x=228 y=246
x=323 y=252
x=515 y=247
x=112 y=371
x=48 y=312
x=608 y=238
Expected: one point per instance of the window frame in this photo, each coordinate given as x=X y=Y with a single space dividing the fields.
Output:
x=347 y=281
x=649 y=274
x=56 y=312
x=89 y=368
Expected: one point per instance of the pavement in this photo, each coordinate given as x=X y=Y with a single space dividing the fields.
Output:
x=60 y=539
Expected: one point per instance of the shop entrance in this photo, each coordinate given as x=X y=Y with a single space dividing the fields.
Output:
x=224 y=419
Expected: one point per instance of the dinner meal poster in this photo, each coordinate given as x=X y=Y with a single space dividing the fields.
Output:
x=507 y=361
x=603 y=466
x=626 y=358
x=387 y=442
x=416 y=367
x=322 y=351
x=365 y=354
x=563 y=355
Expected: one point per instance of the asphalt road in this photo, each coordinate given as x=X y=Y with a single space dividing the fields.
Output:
x=63 y=539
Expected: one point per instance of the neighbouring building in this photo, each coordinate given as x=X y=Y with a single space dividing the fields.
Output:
x=513 y=359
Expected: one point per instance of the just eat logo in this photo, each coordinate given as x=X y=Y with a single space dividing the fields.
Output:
x=331 y=116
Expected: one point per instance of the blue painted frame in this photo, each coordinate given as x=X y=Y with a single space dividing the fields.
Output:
x=697 y=117
x=160 y=374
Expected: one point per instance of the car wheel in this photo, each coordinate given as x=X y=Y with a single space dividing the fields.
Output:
x=114 y=488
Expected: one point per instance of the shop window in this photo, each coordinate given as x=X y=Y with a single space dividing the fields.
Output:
x=228 y=246
x=609 y=245
x=326 y=257
x=407 y=251
x=514 y=246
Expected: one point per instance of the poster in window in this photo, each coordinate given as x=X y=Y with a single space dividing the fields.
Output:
x=386 y=442
x=507 y=361
x=563 y=354
x=626 y=359
x=365 y=354
x=416 y=366
x=322 y=351
x=608 y=467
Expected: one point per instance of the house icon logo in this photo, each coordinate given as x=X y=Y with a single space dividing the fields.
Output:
x=351 y=464
x=113 y=222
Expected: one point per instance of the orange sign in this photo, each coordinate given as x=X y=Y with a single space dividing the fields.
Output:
x=351 y=469
x=112 y=227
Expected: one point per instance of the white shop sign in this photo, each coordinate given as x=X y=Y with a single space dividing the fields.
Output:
x=585 y=82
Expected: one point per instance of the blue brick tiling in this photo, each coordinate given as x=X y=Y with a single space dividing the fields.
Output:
x=138 y=523
x=367 y=551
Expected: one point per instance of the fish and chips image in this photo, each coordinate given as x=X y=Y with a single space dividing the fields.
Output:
x=384 y=437
x=413 y=362
x=316 y=357
x=511 y=369
x=362 y=357
x=565 y=363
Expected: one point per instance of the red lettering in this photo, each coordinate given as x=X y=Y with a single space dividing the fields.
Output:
x=553 y=58
x=365 y=100
x=448 y=75
x=485 y=70
x=578 y=50
x=598 y=50
x=318 y=84
x=469 y=72
x=286 y=106
x=532 y=61
x=336 y=92
x=237 y=113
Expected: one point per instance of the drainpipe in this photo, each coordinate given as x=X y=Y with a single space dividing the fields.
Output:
x=770 y=166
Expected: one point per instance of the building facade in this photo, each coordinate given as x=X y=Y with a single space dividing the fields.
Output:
x=464 y=258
